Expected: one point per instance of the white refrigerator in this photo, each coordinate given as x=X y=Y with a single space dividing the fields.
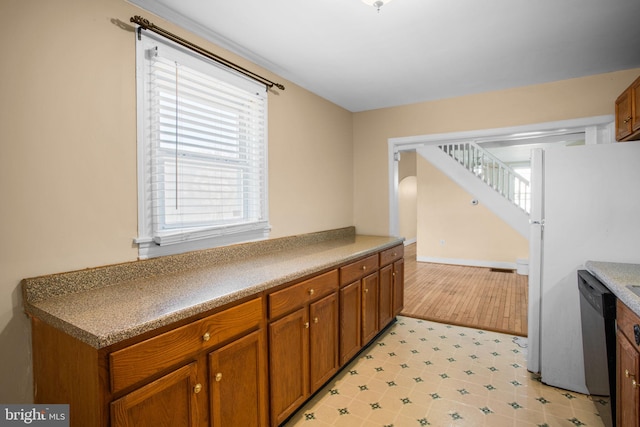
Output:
x=585 y=206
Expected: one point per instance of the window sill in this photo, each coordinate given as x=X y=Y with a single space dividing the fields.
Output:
x=147 y=248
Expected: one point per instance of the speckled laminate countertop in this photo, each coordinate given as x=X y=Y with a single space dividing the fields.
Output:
x=618 y=277
x=105 y=305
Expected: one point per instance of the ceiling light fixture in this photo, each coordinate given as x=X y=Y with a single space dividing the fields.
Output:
x=376 y=3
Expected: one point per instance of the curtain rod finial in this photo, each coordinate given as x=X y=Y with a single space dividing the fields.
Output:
x=137 y=19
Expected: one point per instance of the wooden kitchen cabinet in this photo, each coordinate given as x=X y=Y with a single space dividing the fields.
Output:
x=170 y=401
x=627 y=390
x=355 y=322
x=370 y=298
x=323 y=340
x=635 y=107
x=627 y=367
x=288 y=364
x=303 y=345
x=627 y=108
x=159 y=381
x=236 y=373
x=350 y=321
x=391 y=284
x=238 y=383
x=370 y=307
x=391 y=292
x=398 y=286
x=253 y=362
x=386 y=312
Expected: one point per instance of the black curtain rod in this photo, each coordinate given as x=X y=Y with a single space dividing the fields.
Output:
x=144 y=23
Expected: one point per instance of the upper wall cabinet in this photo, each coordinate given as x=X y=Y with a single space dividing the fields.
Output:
x=628 y=113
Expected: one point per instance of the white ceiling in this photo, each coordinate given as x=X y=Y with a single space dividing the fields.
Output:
x=416 y=50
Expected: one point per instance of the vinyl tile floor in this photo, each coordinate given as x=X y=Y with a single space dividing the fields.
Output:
x=422 y=373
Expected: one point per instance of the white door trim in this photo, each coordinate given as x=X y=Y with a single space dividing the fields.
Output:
x=409 y=143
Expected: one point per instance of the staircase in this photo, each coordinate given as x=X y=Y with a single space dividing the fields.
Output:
x=480 y=173
x=491 y=171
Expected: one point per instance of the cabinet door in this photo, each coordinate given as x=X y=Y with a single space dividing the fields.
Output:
x=386 y=296
x=350 y=321
x=398 y=286
x=369 y=307
x=323 y=340
x=238 y=380
x=169 y=401
x=635 y=106
x=288 y=364
x=627 y=388
x=623 y=115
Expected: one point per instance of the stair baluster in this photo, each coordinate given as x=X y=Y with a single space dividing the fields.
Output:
x=491 y=171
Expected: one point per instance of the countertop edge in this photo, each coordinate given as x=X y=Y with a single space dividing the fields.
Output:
x=618 y=277
x=63 y=320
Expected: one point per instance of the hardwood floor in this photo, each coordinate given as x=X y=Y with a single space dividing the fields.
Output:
x=467 y=296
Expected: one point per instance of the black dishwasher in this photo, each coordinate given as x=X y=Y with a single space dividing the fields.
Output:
x=598 y=315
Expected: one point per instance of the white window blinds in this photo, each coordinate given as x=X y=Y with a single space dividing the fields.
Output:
x=204 y=151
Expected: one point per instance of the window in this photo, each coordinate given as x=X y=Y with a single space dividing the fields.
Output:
x=522 y=192
x=202 y=152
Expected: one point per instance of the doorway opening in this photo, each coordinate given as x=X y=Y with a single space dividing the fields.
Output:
x=514 y=141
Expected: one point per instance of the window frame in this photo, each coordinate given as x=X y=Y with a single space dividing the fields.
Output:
x=152 y=244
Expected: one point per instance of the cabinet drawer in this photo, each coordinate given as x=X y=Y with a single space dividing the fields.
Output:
x=139 y=361
x=354 y=271
x=627 y=320
x=390 y=255
x=297 y=295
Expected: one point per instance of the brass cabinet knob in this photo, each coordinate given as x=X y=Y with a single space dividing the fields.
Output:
x=364 y=267
x=315 y=320
x=366 y=290
x=306 y=325
x=311 y=291
x=394 y=254
x=628 y=374
x=219 y=376
x=627 y=120
x=206 y=337
x=197 y=388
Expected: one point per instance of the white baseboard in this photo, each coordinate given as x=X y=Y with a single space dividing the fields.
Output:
x=410 y=241
x=469 y=262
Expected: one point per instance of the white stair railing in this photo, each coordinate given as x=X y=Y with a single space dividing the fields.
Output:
x=491 y=171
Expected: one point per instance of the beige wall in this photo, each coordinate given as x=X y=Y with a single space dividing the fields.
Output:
x=407 y=165
x=454 y=230
x=310 y=159
x=408 y=209
x=562 y=100
x=68 y=154
x=407 y=197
